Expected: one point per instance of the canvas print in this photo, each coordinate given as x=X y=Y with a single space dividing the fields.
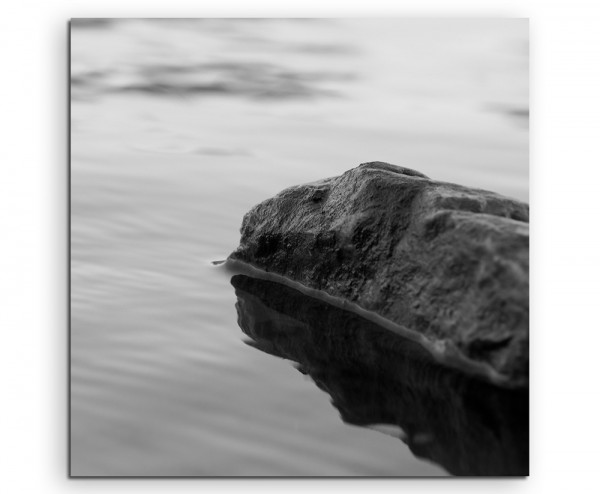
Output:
x=299 y=247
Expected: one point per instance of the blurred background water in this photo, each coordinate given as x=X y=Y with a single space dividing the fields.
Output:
x=178 y=127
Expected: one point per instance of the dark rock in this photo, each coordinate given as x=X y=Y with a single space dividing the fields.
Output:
x=375 y=377
x=447 y=264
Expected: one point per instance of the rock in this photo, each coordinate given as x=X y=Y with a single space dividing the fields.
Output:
x=446 y=264
x=376 y=378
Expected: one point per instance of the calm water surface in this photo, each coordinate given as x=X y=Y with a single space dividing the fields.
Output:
x=179 y=128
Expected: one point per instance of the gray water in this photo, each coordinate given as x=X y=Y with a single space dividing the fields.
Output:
x=178 y=127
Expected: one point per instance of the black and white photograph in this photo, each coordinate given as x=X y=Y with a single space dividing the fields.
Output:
x=299 y=247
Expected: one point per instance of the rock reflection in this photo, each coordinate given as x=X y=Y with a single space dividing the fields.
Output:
x=377 y=378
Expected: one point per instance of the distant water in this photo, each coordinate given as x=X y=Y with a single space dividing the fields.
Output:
x=181 y=126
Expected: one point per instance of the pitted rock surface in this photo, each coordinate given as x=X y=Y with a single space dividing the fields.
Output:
x=447 y=261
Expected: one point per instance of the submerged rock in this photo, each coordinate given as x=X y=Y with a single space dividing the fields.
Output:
x=447 y=264
x=376 y=378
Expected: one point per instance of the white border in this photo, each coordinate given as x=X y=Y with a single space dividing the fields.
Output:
x=565 y=38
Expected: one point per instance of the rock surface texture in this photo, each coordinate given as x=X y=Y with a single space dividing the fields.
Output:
x=447 y=263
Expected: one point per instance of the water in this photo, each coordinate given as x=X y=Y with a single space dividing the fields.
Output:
x=179 y=128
